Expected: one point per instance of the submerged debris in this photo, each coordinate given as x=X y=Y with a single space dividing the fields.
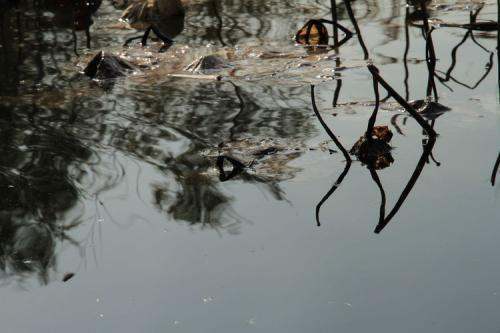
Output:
x=236 y=167
x=265 y=159
x=428 y=108
x=107 y=66
x=207 y=64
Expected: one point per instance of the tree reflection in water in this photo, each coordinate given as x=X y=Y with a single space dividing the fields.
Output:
x=44 y=172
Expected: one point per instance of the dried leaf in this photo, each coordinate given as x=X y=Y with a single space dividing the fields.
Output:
x=382 y=133
x=312 y=33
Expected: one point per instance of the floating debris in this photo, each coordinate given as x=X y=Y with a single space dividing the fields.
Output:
x=313 y=32
x=67 y=276
x=107 y=66
x=208 y=299
x=250 y=322
x=375 y=152
x=207 y=64
x=428 y=108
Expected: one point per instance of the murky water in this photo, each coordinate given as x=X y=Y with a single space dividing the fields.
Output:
x=118 y=182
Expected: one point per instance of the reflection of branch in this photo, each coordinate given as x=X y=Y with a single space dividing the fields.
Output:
x=350 y=13
x=409 y=186
x=383 y=199
x=334 y=19
x=430 y=131
x=332 y=189
x=373 y=117
x=337 y=93
x=495 y=170
x=237 y=91
x=341 y=148
x=376 y=77
x=470 y=34
x=325 y=126
x=405 y=57
x=430 y=53
x=219 y=22
x=489 y=66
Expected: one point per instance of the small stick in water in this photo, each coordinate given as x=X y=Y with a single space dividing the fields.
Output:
x=198 y=76
x=495 y=170
x=67 y=277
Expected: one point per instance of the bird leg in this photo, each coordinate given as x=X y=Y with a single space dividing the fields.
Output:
x=143 y=38
x=167 y=41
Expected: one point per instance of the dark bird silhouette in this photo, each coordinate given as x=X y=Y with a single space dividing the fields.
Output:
x=164 y=17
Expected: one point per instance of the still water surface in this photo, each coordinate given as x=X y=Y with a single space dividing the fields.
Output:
x=118 y=183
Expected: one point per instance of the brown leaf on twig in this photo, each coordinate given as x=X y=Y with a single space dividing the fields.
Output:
x=382 y=133
x=312 y=33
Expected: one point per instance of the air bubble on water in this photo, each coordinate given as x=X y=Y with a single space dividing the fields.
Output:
x=207 y=299
x=250 y=321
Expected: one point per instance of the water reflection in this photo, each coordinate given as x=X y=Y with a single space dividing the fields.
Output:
x=61 y=136
x=37 y=39
x=252 y=119
x=43 y=170
x=429 y=107
x=384 y=218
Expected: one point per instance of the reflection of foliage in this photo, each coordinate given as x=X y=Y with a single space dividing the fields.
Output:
x=43 y=168
x=36 y=189
x=197 y=200
x=205 y=115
